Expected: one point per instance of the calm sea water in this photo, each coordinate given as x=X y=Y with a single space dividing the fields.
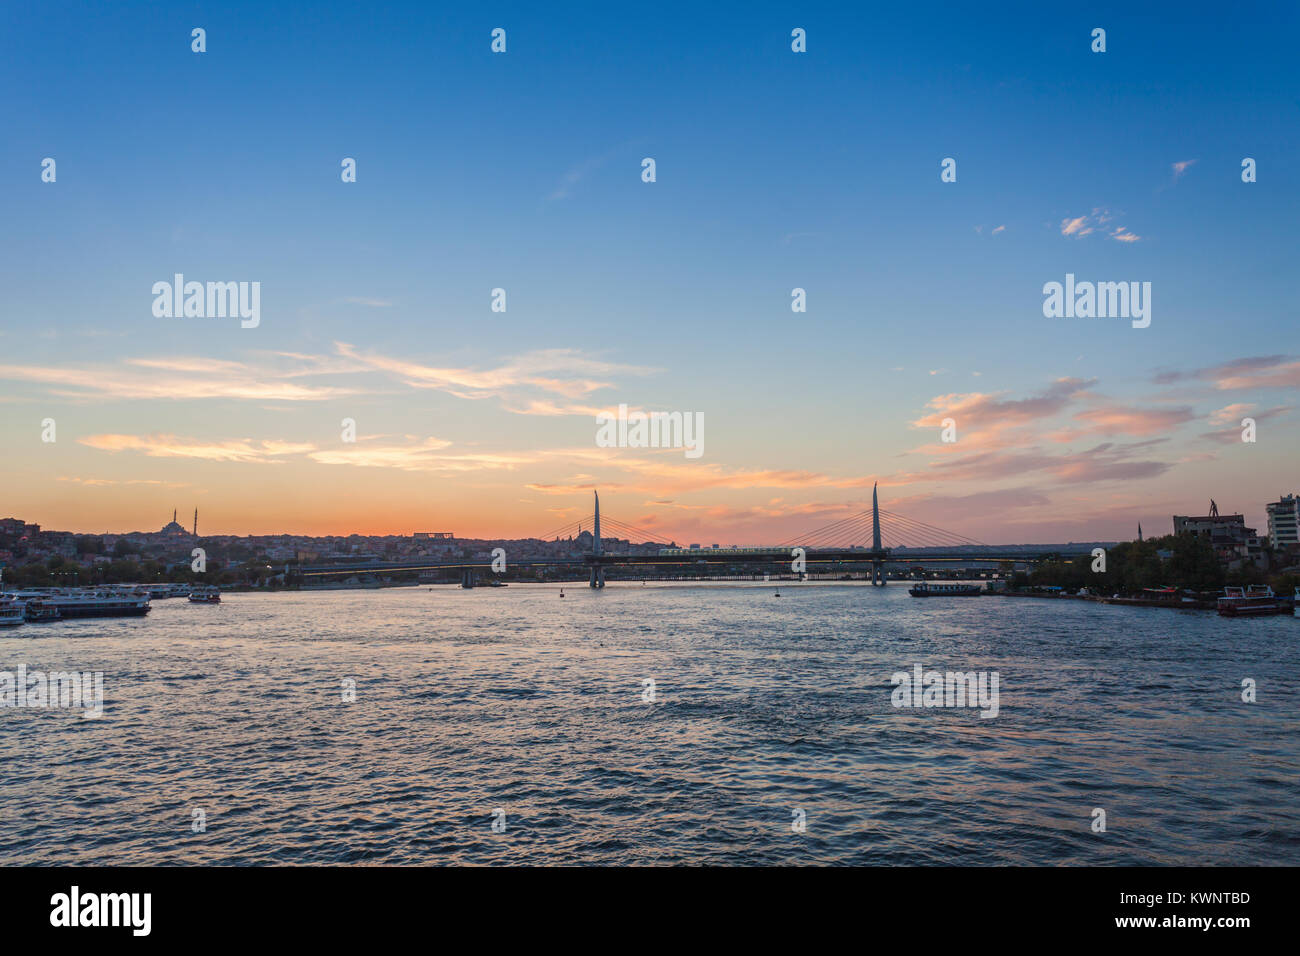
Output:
x=513 y=698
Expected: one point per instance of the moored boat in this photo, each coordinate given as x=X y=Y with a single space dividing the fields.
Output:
x=926 y=589
x=88 y=602
x=206 y=595
x=160 y=592
x=38 y=612
x=12 y=611
x=1243 y=602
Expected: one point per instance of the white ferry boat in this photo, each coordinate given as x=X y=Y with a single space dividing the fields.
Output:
x=926 y=589
x=159 y=592
x=12 y=611
x=38 y=612
x=206 y=595
x=88 y=602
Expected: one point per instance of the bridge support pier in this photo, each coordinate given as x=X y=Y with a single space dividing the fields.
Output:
x=877 y=575
x=467 y=578
x=597 y=576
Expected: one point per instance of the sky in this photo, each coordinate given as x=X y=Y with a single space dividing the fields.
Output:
x=523 y=171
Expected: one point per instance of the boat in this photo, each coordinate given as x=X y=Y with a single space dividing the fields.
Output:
x=12 y=611
x=926 y=589
x=87 y=602
x=1243 y=602
x=38 y=612
x=206 y=595
x=159 y=592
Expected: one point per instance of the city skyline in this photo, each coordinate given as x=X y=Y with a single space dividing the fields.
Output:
x=1263 y=530
x=523 y=172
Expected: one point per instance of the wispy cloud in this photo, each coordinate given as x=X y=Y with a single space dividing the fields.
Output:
x=1105 y=462
x=412 y=454
x=1075 y=227
x=1231 y=416
x=1261 y=371
x=574 y=176
x=172 y=446
x=982 y=416
x=110 y=482
x=1126 y=420
x=1230 y=413
x=425 y=455
x=170 y=379
x=544 y=382
x=566 y=373
x=1080 y=226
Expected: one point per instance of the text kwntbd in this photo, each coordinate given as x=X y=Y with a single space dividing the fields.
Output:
x=1101 y=300
x=215 y=300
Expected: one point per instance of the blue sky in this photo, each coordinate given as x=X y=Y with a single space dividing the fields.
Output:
x=522 y=171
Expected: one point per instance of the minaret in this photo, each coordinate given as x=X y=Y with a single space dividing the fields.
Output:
x=196 y=522
x=1139 y=530
x=173 y=516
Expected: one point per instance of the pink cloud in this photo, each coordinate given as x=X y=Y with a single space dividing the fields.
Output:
x=1075 y=227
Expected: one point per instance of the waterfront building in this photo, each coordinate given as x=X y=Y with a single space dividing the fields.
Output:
x=1222 y=530
x=1284 y=522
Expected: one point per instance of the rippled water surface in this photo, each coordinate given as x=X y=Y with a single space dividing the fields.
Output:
x=513 y=698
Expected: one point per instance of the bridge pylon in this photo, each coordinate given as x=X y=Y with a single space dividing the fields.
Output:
x=877 y=566
x=597 y=569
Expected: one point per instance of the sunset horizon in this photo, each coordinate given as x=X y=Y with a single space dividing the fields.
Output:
x=822 y=337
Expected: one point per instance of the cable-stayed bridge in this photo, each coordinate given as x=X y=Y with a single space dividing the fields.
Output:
x=866 y=541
